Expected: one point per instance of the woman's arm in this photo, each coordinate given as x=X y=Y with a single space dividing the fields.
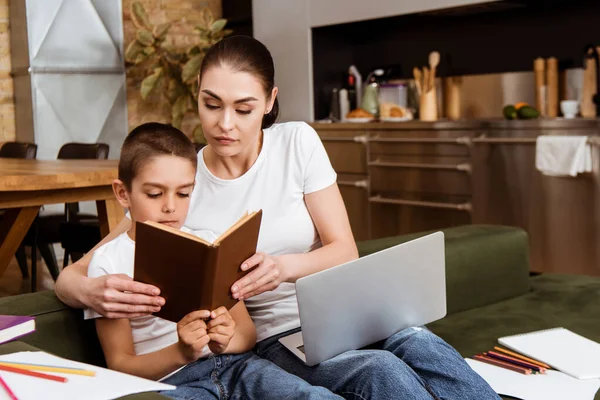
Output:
x=106 y=295
x=329 y=215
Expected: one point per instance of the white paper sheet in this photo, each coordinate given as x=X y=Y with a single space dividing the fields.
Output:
x=553 y=385
x=107 y=384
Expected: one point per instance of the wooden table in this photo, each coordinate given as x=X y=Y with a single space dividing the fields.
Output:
x=26 y=185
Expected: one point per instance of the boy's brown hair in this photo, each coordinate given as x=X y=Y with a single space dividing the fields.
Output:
x=148 y=141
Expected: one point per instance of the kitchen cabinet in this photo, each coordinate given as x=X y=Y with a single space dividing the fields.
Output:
x=399 y=178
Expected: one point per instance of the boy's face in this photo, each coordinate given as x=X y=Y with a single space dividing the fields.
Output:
x=160 y=192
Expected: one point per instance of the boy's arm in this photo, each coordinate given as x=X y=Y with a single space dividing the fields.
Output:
x=244 y=331
x=117 y=344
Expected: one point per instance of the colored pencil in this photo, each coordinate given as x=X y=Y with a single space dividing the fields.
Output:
x=33 y=373
x=516 y=355
x=513 y=360
x=7 y=389
x=49 y=368
x=502 y=364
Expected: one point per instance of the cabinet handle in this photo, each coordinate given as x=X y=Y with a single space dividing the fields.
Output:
x=356 y=139
x=465 y=141
x=416 y=203
x=360 y=184
x=464 y=167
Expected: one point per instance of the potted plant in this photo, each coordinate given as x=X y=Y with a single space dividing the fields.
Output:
x=168 y=69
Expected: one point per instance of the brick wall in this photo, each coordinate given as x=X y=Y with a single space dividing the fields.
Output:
x=7 y=108
x=185 y=14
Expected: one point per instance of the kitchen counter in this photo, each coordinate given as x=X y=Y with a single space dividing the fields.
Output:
x=405 y=177
x=533 y=124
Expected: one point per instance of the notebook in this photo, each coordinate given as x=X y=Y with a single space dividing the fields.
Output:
x=15 y=326
x=553 y=385
x=106 y=384
x=560 y=348
x=191 y=273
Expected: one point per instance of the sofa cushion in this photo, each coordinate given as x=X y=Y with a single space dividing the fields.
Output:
x=484 y=263
x=569 y=301
x=60 y=329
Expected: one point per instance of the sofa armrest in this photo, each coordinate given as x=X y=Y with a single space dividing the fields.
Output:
x=60 y=330
x=484 y=264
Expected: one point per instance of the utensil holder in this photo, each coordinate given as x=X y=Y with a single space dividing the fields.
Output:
x=428 y=106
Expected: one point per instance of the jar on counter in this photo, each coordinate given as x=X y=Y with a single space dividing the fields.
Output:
x=395 y=93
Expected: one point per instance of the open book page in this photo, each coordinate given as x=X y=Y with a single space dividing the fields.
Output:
x=553 y=385
x=233 y=227
x=180 y=232
x=106 y=384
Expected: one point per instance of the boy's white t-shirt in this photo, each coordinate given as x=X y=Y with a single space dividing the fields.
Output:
x=291 y=164
x=149 y=333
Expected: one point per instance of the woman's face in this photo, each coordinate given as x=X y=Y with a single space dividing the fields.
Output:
x=231 y=106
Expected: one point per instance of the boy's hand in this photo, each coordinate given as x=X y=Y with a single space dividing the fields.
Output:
x=193 y=335
x=220 y=330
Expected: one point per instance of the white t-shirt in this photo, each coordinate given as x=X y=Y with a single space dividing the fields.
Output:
x=292 y=163
x=149 y=333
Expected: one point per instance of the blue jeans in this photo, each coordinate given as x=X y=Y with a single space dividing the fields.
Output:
x=411 y=364
x=240 y=376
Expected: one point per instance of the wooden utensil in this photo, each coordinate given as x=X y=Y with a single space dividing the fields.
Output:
x=426 y=76
x=434 y=61
x=418 y=77
x=552 y=91
x=539 y=67
x=588 y=108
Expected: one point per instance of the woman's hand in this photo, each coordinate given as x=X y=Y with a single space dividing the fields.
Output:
x=221 y=328
x=119 y=296
x=267 y=275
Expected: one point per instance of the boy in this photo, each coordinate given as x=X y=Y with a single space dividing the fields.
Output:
x=156 y=177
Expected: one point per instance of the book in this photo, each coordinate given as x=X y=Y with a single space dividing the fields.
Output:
x=561 y=349
x=15 y=326
x=192 y=273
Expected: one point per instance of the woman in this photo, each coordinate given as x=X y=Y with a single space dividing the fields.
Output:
x=283 y=169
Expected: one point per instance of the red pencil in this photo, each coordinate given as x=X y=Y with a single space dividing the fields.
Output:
x=7 y=389
x=502 y=364
x=33 y=373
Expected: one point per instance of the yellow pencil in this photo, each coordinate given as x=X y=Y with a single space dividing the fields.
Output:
x=47 y=368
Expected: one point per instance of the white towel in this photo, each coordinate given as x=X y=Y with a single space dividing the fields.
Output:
x=563 y=155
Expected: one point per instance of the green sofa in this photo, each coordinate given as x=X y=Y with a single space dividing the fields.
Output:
x=490 y=294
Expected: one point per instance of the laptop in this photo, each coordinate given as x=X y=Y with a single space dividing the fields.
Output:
x=358 y=303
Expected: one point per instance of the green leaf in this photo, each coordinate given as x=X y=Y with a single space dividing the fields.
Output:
x=139 y=16
x=160 y=31
x=191 y=69
x=207 y=17
x=149 y=50
x=174 y=90
x=149 y=82
x=141 y=57
x=198 y=134
x=200 y=28
x=133 y=49
x=218 y=25
x=144 y=37
x=178 y=110
x=227 y=32
x=193 y=50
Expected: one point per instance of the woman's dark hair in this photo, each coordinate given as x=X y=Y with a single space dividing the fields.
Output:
x=245 y=54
